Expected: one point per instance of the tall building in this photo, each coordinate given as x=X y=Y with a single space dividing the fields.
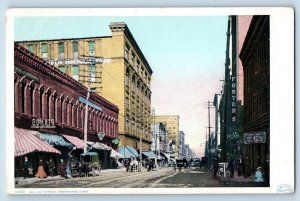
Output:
x=181 y=147
x=115 y=68
x=230 y=105
x=160 y=138
x=255 y=57
x=172 y=125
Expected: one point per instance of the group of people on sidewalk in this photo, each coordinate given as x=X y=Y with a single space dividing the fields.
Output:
x=41 y=169
x=49 y=168
x=243 y=169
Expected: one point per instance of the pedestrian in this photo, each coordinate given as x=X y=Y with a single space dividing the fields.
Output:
x=126 y=164
x=266 y=172
x=259 y=175
x=215 y=167
x=86 y=169
x=62 y=168
x=41 y=170
x=51 y=167
x=27 y=168
x=240 y=168
x=80 y=169
x=184 y=161
x=231 y=167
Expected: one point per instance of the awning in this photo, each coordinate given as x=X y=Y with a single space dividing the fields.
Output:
x=149 y=154
x=26 y=142
x=115 y=154
x=167 y=156
x=98 y=145
x=79 y=144
x=128 y=152
x=56 y=140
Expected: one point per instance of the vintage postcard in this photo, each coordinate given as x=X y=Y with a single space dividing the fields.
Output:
x=150 y=100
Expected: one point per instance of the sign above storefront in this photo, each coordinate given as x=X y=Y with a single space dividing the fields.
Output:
x=101 y=135
x=116 y=141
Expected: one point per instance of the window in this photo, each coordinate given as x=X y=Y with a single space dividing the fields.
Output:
x=92 y=48
x=75 y=50
x=127 y=122
x=93 y=89
x=126 y=50
x=30 y=48
x=62 y=69
x=133 y=59
x=75 y=72
x=61 y=50
x=92 y=73
x=44 y=50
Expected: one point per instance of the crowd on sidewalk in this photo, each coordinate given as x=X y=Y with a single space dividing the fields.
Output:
x=239 y=172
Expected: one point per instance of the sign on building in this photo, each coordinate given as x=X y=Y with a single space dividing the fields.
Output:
x=251 y=138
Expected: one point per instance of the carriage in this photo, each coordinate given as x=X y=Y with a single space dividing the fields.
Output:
x=91 y=160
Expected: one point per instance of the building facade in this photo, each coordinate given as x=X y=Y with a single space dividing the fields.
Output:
x=49 y=101
x=255 y=57
x=181 y=147
x=172 y=125
x=160 y=139
x=45 y=93
x=115 y=68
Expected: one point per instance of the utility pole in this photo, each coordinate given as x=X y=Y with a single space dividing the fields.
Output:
x=208 y=106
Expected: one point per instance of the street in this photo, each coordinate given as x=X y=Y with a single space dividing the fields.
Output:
x=163 y=178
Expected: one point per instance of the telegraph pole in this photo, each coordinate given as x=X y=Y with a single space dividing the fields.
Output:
x=208 y=106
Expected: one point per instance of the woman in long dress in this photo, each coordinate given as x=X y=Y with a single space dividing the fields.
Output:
x=41 y=171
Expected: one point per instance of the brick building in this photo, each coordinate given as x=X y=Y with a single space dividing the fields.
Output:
x=49 y=101
x=255 y=56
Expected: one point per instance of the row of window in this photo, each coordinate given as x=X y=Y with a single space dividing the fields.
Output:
x=130 y=55
x=75 y=72
x=61 y=49
x=33 y=100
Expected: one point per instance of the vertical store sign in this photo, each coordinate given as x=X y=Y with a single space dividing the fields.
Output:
x=233 y=99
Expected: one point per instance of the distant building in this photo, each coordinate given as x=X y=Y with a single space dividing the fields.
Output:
x=116 y=69
x=172 y=126
x=160 y=140
x=187 y=151
x=181 y=146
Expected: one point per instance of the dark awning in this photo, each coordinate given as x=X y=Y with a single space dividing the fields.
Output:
x=55 y=140
x=149 y=154
x=128 y=152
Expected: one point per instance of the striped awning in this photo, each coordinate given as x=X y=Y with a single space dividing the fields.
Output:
x=26 y=142
x=98 y=145
x=75 y=141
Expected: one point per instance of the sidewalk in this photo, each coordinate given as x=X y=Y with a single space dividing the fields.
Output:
x=241 y=181
x=21 y=180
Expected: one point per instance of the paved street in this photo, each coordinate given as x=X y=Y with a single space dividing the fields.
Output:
x=163 y=178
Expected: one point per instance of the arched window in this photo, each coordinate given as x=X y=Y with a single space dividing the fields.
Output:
x=54 y=106
x=32 y=98
x=23 y=95
x=41 y=92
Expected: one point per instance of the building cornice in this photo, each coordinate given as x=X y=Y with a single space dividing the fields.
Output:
x=121 y=26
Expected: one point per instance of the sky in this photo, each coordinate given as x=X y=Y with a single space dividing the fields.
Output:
x=186 y=54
